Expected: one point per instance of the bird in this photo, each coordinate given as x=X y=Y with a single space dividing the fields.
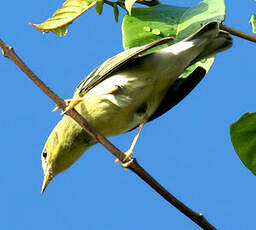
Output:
x=125 y=92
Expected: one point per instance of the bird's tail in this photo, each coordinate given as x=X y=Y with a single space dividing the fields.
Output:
x=211 y=40
x=206 y=42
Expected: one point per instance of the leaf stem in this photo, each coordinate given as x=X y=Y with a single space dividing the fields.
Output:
x=238 y=33
x=134 y=166
x=119 y=3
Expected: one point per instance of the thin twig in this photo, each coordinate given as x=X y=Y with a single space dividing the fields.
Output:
x=148 y=3
x=198 y=218
x=143 y=2
x=119 y=3
x=9 y=53
x=238 y=33
x=134 y=166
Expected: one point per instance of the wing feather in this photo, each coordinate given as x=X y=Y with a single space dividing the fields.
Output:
x=178 y=91
x=103 y=71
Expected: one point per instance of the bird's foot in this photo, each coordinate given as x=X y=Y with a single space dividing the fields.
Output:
x=70 y=103
x=127 y=160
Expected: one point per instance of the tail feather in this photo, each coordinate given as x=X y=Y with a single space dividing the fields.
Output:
x=208 y=31
x=212 y=39
x=222 y=42
x=204 y=43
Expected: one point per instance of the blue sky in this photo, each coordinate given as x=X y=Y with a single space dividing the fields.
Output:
x=188 y=150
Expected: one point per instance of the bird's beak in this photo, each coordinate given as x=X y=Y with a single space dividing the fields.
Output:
x=47 y=180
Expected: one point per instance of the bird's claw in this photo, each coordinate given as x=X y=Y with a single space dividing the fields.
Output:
x=126 y=164
x=70 y=104
x=127 y=160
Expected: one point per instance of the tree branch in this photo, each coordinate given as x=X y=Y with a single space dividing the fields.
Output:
x=148 y=3
x=143 y=2
x=238 y=33
x=134 y=166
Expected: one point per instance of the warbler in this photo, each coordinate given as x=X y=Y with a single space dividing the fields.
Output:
x=125 y=92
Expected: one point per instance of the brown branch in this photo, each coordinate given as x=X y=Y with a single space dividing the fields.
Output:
x=238 y=33
x=143 y=2
x=9 y=53
x=134 y=166
x=148 y=3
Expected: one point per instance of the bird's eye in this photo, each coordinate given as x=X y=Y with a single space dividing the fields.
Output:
x=45 y=153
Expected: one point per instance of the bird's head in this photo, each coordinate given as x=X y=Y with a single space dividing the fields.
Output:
x=66 y=143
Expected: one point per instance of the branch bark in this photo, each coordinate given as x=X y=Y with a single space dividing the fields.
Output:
x=149 y=3
x=198 y=218
x=238 y=33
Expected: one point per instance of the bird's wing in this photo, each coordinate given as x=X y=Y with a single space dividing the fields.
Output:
x=103 y=71
x=177 y=92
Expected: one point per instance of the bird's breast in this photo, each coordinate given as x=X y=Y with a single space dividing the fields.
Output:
x=120 y=102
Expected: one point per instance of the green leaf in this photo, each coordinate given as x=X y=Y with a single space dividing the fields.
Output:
x=99 y=6
x=253 y=22
x=71 y=9
x=178 y=22
x=243 y=137
x=128 y=5
x=149 y=24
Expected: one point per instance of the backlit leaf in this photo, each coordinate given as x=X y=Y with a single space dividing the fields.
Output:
x=71 y=9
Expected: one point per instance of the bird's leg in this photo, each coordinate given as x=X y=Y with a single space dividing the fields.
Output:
x=128 y=154
x=71 y=103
